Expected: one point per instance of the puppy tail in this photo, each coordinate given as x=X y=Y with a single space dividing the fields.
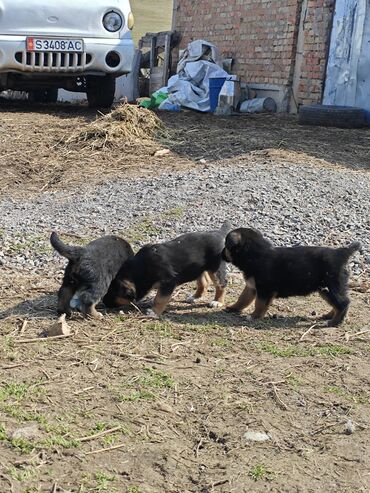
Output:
x=226 y=228
x=351 y=249
x=67 y=251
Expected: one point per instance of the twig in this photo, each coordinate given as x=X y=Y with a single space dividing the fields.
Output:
x=101 y=450
x=10 y=367
x=200 y=443
x=325 y=427
x=54 y=488
x=136 y=307
x=23 y=328
x=348 y=336
x=46 y=374
x=277 y=398
x=137 y=357
x=308 y=331
x=278 y=382
x=219 y=483
x=86 y=389
x=98 y=435
x=120 y=410
x=175 y=394
x=42 y=339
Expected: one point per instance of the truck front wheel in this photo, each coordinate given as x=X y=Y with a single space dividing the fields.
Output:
x=100 y=91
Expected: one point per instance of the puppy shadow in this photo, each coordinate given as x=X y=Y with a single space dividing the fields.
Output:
x=42 y=307
x=184 y=306
x=223 y=319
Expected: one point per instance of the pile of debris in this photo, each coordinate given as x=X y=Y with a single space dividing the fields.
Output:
x=202 y=82
x=128 y=123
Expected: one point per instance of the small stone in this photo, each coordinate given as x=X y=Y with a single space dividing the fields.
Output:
x=161 y=152
x=256 y=436
x=27 y=432
x=162 y=406
x=350 y=427
x=59 y=328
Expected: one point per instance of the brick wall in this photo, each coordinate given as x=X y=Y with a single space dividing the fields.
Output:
x=316 y=33
x=262 y=37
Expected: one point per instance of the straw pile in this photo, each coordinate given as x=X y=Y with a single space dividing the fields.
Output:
x=127 y=124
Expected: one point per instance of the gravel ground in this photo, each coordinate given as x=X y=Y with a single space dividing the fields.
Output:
x=289 y=204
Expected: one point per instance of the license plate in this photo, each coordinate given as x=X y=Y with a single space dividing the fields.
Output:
x=55 y=44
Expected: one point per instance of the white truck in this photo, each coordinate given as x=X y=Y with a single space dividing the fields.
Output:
x=77 y=45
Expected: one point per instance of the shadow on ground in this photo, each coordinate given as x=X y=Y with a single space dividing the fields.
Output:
x=223 y=319
x=43 y=306
x=214 y=138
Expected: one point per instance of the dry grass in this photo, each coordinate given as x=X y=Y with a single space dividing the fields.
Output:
x=126 y=123
x=43 y=149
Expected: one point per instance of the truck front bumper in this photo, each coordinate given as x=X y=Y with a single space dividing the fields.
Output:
x=101 y=56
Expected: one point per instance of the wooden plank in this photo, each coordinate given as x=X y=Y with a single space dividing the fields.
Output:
x=167 y=53
x=153 y=52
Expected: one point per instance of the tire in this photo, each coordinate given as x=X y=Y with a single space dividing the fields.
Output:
x=44 y=95
x=332 y=116
x=100 y=91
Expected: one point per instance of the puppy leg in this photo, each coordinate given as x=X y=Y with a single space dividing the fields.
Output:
x=202 y=285
x=65 y=294
x=91 y=311
x=260 y=308
x=161 y=300
x=339 y=300
x=328 y=316
x=219 y=281
x=245 y=299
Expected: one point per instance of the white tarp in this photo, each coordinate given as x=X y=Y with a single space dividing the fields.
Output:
x=190 y=86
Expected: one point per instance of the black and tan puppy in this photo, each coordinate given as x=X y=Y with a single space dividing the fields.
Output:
x=90 y=271
x=279 y=272
x=164 y=266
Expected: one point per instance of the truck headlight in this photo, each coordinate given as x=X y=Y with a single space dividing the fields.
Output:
x=112 y=21
x=130 y=21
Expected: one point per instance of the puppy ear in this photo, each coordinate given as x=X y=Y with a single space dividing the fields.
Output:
x=130 y=286
x=233 y=239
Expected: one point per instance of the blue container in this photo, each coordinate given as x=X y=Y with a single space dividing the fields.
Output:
x=215 y=86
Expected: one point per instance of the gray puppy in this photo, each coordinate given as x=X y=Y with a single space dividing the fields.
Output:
x=89 y=272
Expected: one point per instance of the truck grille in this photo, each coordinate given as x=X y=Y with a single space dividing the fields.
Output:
x=52 y=62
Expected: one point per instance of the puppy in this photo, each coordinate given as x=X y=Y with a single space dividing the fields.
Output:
x=273 y=272
x=89 y=272
x=164 y=266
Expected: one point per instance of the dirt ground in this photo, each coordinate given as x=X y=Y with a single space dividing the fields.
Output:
x=134 y=405
x=36 y=154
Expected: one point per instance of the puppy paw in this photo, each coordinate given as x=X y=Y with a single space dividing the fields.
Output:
x=231 y=309
x=215 y=304
x=67 y=313
x=95 y=316
x=192 y=299
x=151 y=314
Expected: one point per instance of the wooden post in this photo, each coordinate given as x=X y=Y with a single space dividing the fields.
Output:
x=167 y=53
